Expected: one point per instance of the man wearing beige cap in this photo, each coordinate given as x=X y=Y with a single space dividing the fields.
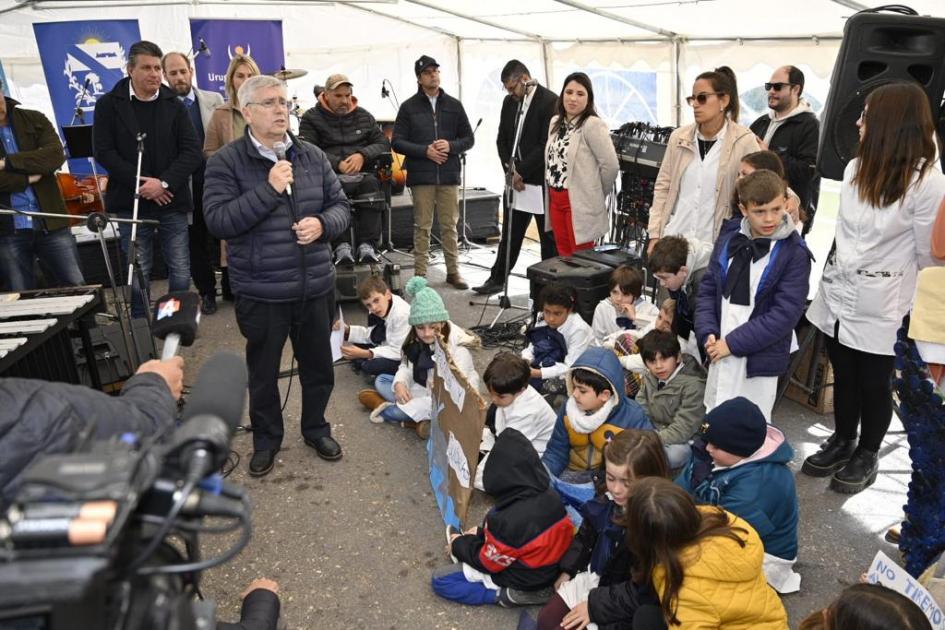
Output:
x=352 y=141
x=432 y=130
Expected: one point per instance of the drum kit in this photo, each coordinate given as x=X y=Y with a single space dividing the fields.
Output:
x=285 y=75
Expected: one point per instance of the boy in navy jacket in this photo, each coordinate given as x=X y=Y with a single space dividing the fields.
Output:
x=752 y=296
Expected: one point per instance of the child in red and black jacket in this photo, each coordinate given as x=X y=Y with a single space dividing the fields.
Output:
x=512 y=560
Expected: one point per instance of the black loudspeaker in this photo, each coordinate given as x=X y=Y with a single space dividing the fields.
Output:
x=877 y=48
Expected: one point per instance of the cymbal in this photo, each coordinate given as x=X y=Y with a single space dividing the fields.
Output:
x=288 y=74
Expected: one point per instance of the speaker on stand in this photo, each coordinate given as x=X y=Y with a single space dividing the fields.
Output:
x=877 y=49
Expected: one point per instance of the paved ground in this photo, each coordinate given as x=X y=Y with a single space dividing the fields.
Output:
x=352 y=543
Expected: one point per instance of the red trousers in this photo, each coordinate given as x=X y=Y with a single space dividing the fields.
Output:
x=559 y=210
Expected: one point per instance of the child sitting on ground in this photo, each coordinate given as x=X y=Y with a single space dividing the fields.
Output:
x=515 y=405
x=625 y=308
x=596 y=409
x=672 y=393
x=740 y=463
x=512 y=560
x=556 y=340
x=595 y=586
x=375 y=349
x=868 y=607
x=678 y=270
x=704 y=563
x=752 y=296
x=405 y=398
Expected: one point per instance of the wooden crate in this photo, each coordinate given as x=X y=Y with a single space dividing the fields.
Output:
x=821 y=399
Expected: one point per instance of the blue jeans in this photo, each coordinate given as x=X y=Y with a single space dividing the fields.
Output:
x=175 y=246
x=55 y=249
x=384 y=384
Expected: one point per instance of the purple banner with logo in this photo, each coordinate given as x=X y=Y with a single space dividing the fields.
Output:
x=218 y=41
x=82 y=61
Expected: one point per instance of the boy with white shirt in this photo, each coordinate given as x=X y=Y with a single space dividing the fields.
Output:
x=376 y=348
x=625 y=308
x=515 y=405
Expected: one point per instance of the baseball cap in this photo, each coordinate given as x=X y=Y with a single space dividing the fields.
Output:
x=424 y=62
x=337 y=79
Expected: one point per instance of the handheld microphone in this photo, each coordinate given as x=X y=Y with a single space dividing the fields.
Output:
x=279 y=148
x=176 y=316
x=476 y=128
x=204 y=48
x=202 y=442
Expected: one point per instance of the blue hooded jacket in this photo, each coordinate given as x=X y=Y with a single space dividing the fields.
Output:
x=587 y=449
x=759 y=489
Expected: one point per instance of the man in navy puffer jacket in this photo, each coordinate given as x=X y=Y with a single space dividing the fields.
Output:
x=278 y=217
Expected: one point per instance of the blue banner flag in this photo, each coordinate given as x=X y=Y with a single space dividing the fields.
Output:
x=216 y=42
x=82 y=61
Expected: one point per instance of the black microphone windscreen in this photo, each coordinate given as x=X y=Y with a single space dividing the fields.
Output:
x=279 y=149
x=177 y=312
x=220 y=390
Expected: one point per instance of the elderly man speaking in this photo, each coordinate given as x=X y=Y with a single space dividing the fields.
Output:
x=278 y=204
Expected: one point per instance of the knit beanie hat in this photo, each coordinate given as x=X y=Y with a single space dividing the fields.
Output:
x=736 y=426
x=427 y=306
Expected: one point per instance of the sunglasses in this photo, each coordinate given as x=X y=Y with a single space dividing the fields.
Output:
x=701 y=98
x=777 y=87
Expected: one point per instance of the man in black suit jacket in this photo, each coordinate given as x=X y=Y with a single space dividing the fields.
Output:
x=537 y=105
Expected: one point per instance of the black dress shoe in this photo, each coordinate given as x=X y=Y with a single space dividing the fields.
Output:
x=832 y=456
x=208 y=304
x=489 y=287
x=859 y=473
x=326 y=447
x=262 y=462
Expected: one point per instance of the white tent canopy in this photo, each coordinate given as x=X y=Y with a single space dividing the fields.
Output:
x=641 y=54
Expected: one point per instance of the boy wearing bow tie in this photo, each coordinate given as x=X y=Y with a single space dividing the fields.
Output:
x=752 y=296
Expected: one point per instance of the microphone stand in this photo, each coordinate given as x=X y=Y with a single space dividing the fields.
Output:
x=133 y=263
x=387 y=169
x=507 y=200
x=464 y=241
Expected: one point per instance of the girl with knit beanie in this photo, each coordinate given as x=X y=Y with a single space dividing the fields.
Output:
x=405 y=398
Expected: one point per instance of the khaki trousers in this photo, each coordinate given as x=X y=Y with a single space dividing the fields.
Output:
x=445 y=201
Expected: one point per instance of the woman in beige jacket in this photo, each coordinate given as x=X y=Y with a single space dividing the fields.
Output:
x=580 y=168
x=694 y=187
x=226 y=125
x=227 y=122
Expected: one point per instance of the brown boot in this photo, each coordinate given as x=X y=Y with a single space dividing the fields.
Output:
x=370 y=398
x=456 y=281
x=423 y=429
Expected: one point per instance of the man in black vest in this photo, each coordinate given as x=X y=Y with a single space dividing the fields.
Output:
x=200 y=104
x=537 y=105
x=791 y=130
x=171 y=154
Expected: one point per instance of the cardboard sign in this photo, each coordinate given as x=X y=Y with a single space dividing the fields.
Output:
x=886 y=572
x=459 y=413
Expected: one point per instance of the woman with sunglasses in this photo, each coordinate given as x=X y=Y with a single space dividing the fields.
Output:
x=889 y=198
x=697 y=177
x=580 y=168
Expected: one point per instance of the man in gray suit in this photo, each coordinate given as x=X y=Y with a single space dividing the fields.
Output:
x=179 y=74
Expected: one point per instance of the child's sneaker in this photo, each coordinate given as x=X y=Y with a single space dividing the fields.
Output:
x=513 y=597
x=370 y=398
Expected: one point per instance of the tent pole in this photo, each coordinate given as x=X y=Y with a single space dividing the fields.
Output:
x=545 y=62
x=459 y=66
x=677 y=107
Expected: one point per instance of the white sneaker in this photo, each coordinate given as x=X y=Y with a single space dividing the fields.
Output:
x=366 y=253
x=343 y=254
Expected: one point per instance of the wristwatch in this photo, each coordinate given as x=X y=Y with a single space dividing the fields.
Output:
x=164 y=185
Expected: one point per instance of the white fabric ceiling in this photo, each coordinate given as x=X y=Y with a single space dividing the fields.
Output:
x=642 y=54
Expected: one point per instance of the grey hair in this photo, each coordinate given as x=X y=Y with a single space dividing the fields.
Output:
x=254 y=84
